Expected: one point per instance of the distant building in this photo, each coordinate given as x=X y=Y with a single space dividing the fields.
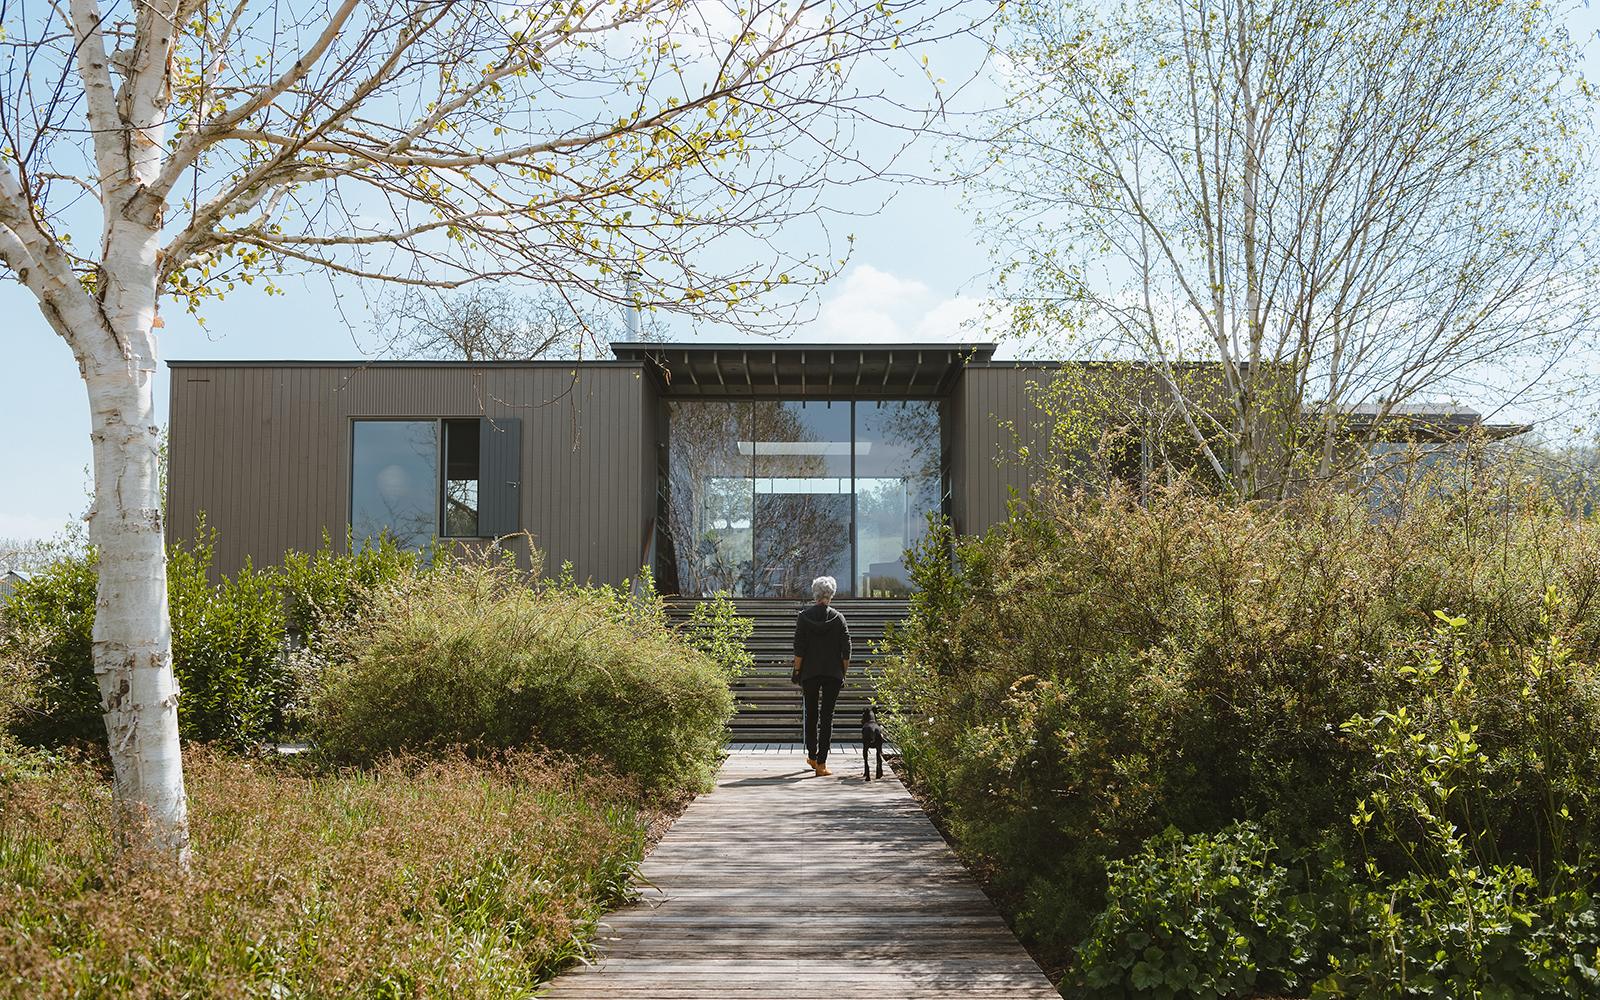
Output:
x=9 y=579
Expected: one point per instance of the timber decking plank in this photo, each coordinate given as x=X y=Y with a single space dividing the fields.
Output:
x=783 y=886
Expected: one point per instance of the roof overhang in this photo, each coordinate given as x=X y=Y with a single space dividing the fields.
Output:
x=1422 y=426
x=801 y=371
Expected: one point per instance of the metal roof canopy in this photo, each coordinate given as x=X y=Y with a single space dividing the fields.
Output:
x=805 y=371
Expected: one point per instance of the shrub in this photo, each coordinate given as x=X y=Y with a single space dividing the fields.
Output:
x=46 y=634
x=1199 y=916
x=446 y=878
x=1478 y=829
x=1099 y=668
x=227 y=649
x=476 y=655
x=1476 y=932
x=717 y=630
x=324 y=589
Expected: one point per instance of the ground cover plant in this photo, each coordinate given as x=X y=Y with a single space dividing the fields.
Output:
x=1097 y=693
x=442 y=877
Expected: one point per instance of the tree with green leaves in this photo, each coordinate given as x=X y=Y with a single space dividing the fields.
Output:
x=1337 y=207
x=168 y=151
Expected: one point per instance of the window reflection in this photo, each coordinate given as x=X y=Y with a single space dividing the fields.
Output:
x=394 y=480
x=898 y=465
x=462 y=476
x=802 y=495
x=709 y=516
x=765 y=495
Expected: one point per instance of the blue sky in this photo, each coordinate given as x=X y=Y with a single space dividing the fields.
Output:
x=917 y=271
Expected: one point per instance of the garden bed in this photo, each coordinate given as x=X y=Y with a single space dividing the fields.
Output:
x=446 y=877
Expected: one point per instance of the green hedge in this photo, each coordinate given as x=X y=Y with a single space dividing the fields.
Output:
x=378 y=651
x=231 y=638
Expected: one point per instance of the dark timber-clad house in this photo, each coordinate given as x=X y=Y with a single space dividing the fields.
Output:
x=747 y=469
x=742 y=468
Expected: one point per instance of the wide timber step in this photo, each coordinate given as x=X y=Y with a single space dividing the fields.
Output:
x=768 y=705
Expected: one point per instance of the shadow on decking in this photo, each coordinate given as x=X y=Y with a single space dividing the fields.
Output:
x=805 y=774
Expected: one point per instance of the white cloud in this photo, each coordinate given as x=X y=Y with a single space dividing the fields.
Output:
x=875 y=306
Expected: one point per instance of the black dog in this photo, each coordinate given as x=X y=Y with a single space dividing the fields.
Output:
x=871 y=739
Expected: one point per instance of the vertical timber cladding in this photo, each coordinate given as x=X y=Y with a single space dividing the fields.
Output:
x=993 y=414
x=263 y=449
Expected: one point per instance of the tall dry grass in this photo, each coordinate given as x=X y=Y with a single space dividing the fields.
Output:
x=438 y=878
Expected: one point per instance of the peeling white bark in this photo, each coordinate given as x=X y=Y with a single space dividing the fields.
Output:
x=132 y=635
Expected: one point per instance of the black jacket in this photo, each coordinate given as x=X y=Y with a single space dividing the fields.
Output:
x=822 y=641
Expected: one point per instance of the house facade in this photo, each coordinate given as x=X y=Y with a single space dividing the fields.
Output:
x=741 y=468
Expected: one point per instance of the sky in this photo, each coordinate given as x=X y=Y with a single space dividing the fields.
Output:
x=918 y=272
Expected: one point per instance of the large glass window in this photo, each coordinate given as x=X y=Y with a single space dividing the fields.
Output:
x=763 y=496
x=394 y=480
x=897 y=483
x=802 y=495
x=710 y=518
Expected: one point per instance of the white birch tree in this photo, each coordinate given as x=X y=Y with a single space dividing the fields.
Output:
x=168 y=150
x=1338 y=205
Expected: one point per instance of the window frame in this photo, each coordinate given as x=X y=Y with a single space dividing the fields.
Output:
x=441 y=478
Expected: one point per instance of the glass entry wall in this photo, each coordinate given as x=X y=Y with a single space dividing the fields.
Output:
x=801 y=479
x=897 y=483
x=764 y=495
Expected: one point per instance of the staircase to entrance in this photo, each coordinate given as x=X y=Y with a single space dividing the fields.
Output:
x=768 y=705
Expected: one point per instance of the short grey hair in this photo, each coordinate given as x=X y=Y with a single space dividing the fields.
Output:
x=824 y=587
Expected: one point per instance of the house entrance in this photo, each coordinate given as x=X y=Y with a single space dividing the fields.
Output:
x=760 y=496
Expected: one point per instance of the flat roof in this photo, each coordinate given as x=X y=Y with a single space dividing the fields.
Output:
x=407 y=363
x=802 y=370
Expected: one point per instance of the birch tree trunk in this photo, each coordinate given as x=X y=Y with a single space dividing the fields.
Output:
x=132 y=634
x=113 y=335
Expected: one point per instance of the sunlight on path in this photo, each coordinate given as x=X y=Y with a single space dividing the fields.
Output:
x=783 y=885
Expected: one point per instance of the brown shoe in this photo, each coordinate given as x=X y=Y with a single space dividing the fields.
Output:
x=811 y=763
x=822 y=770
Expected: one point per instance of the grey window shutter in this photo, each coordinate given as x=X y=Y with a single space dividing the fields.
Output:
x=500 y=488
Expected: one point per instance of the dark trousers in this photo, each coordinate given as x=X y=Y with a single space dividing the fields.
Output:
x=821 y=694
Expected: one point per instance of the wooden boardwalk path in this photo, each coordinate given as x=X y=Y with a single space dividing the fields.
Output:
x=784 y=886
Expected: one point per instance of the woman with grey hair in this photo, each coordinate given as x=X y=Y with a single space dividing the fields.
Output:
x=821 y=660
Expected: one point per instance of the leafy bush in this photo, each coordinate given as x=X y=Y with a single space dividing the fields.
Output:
x=1198 y=916
x=1476 y=932
x=325 y=589
x=1478 y=829
x=227 y=640
x=227 y=648
x=1098 y=669
x=47 y=634
x=474 y=654
x=716 y=629
x=387 y=883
